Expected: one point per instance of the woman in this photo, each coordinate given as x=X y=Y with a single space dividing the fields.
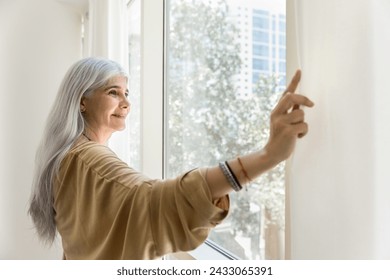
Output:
x=102 y=208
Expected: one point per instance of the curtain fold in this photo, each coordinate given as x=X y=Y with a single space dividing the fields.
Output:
x=107 y=30
x=106 y=35
x=337 y=191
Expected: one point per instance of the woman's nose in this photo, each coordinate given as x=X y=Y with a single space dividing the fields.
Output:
x=125 y=103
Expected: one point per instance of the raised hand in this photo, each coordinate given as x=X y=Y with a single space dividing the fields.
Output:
x=287 y=121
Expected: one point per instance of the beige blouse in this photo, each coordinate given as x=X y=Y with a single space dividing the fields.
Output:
x=106 y=210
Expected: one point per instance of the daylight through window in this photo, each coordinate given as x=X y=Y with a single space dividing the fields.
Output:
x=225 y=70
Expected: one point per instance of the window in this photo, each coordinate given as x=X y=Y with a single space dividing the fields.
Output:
x=210 y=113
x=261 y=50
x=282 y=39
x=282 y=67
x=145 y=84
x=282 y=54
x=260 y=22
x=282 y=24
x=260 y=64
x=261 y=36
x=134 y=12
x=207 y=120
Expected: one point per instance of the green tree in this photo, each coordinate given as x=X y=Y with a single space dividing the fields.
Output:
x=202 y=61
x=207 y=120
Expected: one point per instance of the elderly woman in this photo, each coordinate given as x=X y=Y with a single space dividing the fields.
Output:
x=102 y=208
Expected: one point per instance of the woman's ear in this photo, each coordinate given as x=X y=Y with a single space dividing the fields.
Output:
x=82 y=105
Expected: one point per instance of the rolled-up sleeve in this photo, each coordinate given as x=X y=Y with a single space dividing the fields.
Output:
x=182 y=212
x=107 y=210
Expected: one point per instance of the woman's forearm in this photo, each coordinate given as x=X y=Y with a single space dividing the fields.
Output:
x=286 y=126
x=246 y=168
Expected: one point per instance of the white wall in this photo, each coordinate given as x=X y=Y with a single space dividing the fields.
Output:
x=338 y=181
x=39 y=39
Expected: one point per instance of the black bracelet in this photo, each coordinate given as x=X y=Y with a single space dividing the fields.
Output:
x=233 y=175
x=230 y=176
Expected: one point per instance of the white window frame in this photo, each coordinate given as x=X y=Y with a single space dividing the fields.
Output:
x=152 y=110
x=152 y=88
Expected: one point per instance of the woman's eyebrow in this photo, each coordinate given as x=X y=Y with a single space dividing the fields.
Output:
x=116 y=87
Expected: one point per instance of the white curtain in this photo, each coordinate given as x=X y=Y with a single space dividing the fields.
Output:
x=338 y=179
x=106 y=35
x=107 y=31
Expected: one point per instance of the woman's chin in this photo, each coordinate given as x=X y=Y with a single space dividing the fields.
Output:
x=120 y=128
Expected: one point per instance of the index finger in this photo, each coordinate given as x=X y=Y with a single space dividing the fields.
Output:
x=292 y=101
x=294 y=82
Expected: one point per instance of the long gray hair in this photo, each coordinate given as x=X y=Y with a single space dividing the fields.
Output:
x=64 y=125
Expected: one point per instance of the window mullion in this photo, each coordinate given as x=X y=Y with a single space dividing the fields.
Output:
x=152 y=88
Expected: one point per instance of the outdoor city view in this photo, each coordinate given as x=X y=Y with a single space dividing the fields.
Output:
x=225 y=71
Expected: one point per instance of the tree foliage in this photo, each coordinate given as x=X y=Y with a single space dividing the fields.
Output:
x=208 y=121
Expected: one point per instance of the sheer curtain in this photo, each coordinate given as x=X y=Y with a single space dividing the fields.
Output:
x=338 y=186
x=106 y=35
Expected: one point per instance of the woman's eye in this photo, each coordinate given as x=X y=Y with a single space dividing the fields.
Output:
x=126 y=94
x=112 y=92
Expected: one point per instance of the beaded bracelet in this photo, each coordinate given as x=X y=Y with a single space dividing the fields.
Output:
x=231 y=178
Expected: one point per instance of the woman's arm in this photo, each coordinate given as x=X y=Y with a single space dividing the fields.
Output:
x=287 y=124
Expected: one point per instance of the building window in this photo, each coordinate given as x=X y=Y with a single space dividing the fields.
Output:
x=282 y=67
x=260 y=64
x=261 y=50
x=282 y=54
x=207 y=119
x=260 y=22
x=260 y=36
x=282 y=39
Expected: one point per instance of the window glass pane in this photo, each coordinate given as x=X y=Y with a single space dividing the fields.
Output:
x=273 y=24
x=282 y=53
x=282 y=25
x=261 y=50
x=208 y=120
x=260 y=22
x=282 y=67
x=260 y=36
x=260 y=64
x=134 y=12
x=282 y=39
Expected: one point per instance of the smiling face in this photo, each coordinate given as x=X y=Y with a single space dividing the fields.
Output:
x=106 y=109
